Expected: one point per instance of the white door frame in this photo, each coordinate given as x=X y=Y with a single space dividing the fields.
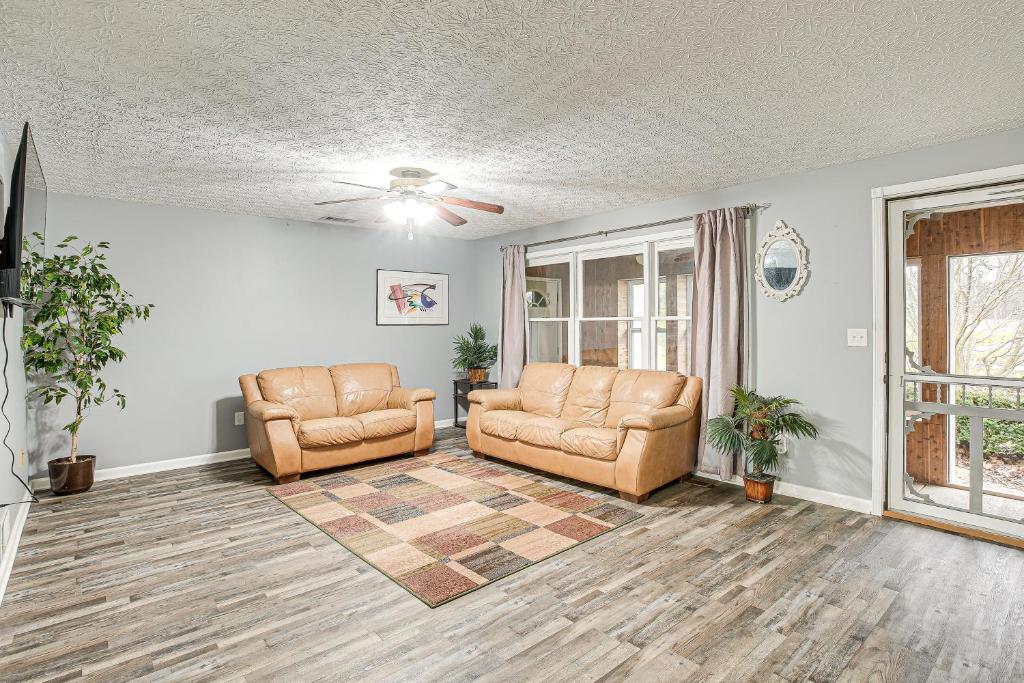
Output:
x=880 y=196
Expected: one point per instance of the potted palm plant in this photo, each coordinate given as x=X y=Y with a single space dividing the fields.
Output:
x=473 y=353
x=755 y=429
x=78 y=309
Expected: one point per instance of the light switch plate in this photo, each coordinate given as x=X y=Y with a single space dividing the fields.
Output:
x=856 y=336
x=239 y=419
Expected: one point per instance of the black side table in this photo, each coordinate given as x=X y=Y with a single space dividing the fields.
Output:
x=462 y=389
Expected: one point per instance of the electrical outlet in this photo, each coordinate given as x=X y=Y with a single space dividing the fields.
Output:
x=856 y=337
x=239 y=419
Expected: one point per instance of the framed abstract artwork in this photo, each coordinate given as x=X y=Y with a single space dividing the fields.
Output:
x=408 y=298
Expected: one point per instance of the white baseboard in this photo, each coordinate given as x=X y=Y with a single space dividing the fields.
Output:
x=20 y=513
x=43 y=483
x=785 y=488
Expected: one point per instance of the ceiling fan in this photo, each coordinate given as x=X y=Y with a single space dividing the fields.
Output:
x=417 y=198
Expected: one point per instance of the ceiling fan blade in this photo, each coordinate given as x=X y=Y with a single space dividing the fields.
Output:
x=369 y=187
x=471 y=204
x=342 y=201
x=436 y=187
x=453 y=218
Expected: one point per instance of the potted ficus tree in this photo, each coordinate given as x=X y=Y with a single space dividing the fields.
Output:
x=755 y=429
x=473 y=353
x=78 y=309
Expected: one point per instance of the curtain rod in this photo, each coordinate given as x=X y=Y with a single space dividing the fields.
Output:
x=605 y=233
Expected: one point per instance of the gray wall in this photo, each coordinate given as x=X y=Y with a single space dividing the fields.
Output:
x=237 y=294
x=800 y=345
x=14 y=379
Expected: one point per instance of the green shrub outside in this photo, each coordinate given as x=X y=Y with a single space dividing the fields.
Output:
x=1002 y=437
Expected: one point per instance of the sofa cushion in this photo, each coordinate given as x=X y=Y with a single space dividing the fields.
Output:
x=503 y=423
x=329 y=431
x=380 y=423
x=544 y=386
x=592 y=442
x=308 y=390
x=641 y=391
x=363 y=387
x=546 y=431
x=589 y=395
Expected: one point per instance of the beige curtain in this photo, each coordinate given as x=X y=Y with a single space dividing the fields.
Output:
x=513 y=315
x=720 y=292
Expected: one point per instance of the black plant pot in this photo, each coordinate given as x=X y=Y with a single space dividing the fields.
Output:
x=68 y=477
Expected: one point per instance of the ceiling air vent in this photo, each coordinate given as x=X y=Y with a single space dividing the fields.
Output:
x=336 y=219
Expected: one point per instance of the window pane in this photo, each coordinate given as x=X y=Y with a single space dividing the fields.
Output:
x=547 y=291
x=549 y=341
x=987 y=302
x=607 y=285
x=675 y=281
x=672 y=344
x=611 y=343
x=913 y=319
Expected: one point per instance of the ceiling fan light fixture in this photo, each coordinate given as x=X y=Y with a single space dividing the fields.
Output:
x=409 y=208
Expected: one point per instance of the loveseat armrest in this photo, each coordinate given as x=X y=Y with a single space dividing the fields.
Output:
x=496 y=399
x=403 y=397
x=265 y=411
x=660 y=418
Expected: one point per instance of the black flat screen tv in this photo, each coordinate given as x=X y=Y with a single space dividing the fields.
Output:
x=26 y=214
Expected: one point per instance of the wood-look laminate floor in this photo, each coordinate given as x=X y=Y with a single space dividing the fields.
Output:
x=200 y=574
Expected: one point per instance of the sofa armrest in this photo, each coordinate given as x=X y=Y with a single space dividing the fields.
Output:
x=496 y=399
x=265 y=411
x=402 y=397
x=661 y=418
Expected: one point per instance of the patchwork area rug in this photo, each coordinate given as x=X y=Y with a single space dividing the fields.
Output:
x=441 y=526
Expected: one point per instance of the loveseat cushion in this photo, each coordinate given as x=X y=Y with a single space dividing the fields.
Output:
x=329 y=431
x=380 y=423
x=544 y=386
x=363 y=387
x=592 y=442
x=641 y=391
x=308 y=390
x=546 y=431
x=503 y=423
x=590 y=394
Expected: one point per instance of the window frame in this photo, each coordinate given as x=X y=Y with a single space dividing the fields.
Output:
x=656 y=317
x=571 y=336
x=648 y=246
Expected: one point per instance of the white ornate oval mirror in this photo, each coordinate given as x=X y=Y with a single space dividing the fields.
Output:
x=781 y=263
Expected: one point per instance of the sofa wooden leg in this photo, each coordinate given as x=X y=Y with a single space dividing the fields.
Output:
x=630 y=498
x=478 y=454
x=422 y=451
x=287 y=479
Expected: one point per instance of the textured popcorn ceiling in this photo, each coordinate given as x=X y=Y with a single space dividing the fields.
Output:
x=555 y=108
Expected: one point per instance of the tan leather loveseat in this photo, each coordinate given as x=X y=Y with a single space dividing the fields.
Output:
x=629 y=430
x=310 y=418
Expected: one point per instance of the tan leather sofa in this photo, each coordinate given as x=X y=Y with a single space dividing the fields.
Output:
x=629 y=430
x=310 y=418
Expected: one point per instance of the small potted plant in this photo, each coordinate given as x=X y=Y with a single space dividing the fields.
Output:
x=473 y=353
x=755 y=428
x=78 y=309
